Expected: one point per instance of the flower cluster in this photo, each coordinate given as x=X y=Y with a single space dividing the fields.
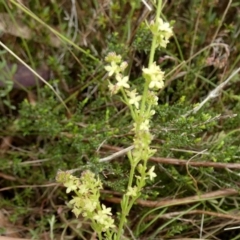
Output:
x=86 y=202
x=154 y=80
x=162 y=30
x=154 y=76
x=116 y=68
x=143 y=111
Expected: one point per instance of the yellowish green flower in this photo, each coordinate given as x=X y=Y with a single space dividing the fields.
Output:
x=145 y=125
x=89 y=206
x=71 y=184
x=152 y=112
x=113 y=57
x=83 y=189
x=155 y=75
x=113 y=68
x=152 y=70
x=132 y=191
x=155 y=100
x=113 y=88
x=151 y=173
x=165 y=28
x=162 y=31
x=134 y=98
x=77 y=211
x=103 y=218
x=123 y=66
x=152 y=98
x=109 y=224
x=106 y=210
x=122 y=81
x=162 y=41
x=157 y=82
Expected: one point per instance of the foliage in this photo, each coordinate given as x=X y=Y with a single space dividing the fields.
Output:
x=39 y=135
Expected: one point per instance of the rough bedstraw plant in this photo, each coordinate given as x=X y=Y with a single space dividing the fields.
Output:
x=87 y=187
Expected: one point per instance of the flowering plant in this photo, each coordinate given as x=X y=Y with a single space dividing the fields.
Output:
x=87 y=187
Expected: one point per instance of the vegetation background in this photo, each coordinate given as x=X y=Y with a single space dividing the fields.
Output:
x=72 y=121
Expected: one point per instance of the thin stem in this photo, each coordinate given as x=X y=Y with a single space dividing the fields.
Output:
x=129 y=105
x=125 y=203
x=153 y=47
x=151 y=58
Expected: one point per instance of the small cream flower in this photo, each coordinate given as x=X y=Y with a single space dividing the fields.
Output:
x=134 y=98
x=113 y=68
x=157 y=82
x=155 y=100
x=77 y=211
x=132 y=191
x=103 y=217
x=152 y=70
x=113 y=88
x=113 y=57
x=110 y=56
x=152 y=98
x=155 y=75
x=151 y=173
x=152 y=112
x=108 y=224
x=83 y=189
x=71 y=184
x=123 y=66
x=145 y=125
x=89 y=206
x=164 y=27
x=162 y=41
x=122 y=81
x=162 y=31
x=106 y=210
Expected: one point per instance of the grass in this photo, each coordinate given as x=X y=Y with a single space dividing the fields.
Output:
x=72 y=122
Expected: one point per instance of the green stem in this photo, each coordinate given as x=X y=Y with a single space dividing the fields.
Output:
x=125 y=204
x=140 y=186
x=153 y=47
x=125 y=98
x=151 y=58
x=100 y=236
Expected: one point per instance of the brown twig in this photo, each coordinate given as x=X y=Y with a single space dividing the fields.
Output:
x=175 y=161
x=214 y=214
x=187 y=200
